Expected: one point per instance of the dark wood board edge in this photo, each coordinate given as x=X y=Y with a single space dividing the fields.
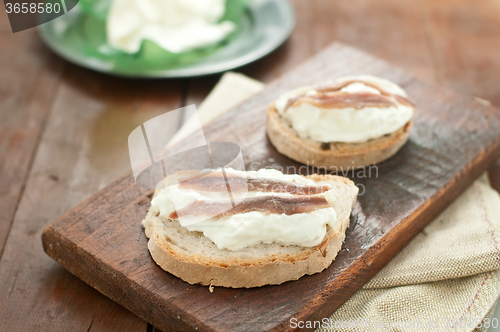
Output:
x=114 y=284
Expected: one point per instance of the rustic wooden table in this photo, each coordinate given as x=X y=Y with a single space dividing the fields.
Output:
x=64 y=129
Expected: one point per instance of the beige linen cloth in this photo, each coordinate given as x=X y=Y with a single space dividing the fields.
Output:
x=446 y=279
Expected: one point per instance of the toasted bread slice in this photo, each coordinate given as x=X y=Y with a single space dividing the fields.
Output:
x=196 y=259
x=334 y=155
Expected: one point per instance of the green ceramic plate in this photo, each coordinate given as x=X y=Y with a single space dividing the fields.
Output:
x=79 y=37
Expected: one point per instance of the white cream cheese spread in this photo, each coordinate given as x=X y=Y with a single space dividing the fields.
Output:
x=175 y=25
x=246 y=229
x=347 y=124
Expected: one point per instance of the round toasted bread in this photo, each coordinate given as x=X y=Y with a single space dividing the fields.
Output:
x=196 y=259
x=333 y=155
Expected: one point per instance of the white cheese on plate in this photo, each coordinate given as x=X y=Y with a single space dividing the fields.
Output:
x=175 y=25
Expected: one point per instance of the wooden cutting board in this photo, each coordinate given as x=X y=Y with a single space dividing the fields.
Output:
x=453 y=141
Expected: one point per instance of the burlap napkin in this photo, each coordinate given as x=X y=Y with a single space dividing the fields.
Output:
x=446 y=279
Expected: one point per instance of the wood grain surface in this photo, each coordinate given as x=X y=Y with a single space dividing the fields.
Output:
x=452 y=42
x=454 y=139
